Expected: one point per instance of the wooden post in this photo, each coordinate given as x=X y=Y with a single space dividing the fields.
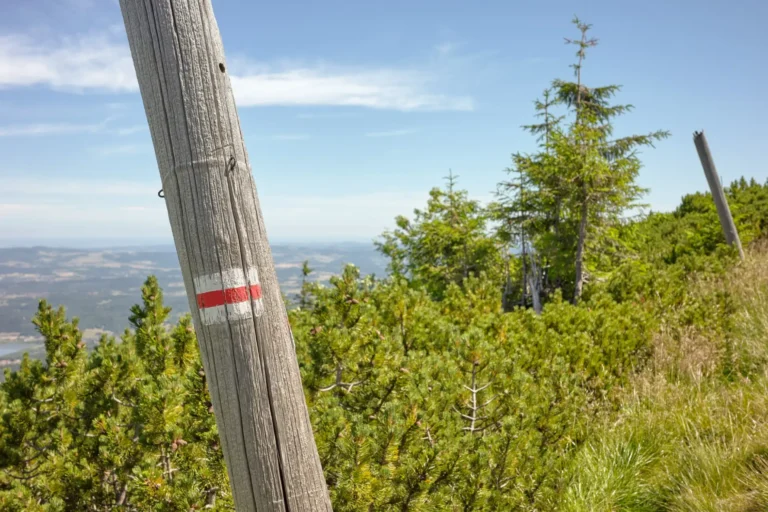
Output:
x=239 y=316
x=721 y=203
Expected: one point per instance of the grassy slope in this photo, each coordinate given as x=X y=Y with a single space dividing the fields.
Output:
x=692 y=434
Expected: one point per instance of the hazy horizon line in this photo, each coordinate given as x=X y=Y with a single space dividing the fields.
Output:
x=125 y=243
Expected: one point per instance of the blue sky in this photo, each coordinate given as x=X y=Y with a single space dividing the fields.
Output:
x=352 y=111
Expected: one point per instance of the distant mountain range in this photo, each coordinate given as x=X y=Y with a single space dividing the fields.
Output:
x=99 y=285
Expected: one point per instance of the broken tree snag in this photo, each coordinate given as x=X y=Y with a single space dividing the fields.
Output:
x=238 y=311
x=534 y=279
x=723 y=211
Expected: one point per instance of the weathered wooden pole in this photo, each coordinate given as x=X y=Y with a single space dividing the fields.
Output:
x=238 y=312
x=721 y=203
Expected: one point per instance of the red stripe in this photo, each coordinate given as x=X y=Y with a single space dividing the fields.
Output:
x=233 y=295
x=229 y=296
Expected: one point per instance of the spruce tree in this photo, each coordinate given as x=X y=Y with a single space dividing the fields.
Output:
x=444 y=243
x=583 y=180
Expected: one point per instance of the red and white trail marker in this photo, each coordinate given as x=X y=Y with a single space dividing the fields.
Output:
x=234 y=294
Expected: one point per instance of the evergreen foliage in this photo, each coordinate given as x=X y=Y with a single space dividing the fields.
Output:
x=570 y=196
x=446 y=243
x=432 y=389
x=128 y=425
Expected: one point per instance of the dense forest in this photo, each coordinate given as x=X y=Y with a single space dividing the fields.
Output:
x=555 y=349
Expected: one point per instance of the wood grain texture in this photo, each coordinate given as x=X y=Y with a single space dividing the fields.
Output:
x=721 y=203
x=214 y=211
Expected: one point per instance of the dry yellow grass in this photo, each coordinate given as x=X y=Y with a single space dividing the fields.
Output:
x=692 y=433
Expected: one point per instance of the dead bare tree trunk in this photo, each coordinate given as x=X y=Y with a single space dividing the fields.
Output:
x=721 y=203
x=238 y=311
x=579 y=284
x=534 y=278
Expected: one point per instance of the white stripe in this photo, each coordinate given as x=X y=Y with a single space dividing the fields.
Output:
x=214 y=315
x=239 y=311
x=258 y=304
x=207 y=283
x=231 y=312
x=231 y=278
x=253 y=276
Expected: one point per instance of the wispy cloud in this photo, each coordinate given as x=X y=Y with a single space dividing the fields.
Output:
x=155 y=209
x=446 y=48
x=42 y=129
x=63 y=208
x=50 y=129
x=63 y=220
x=103 y=62
x=121 y=149
x=392 y=89
x=290 y=136
x=326 y=115
x=70 y=207
x=305 y=216
x=128 y=130
x=392 y=133
x=61 y=187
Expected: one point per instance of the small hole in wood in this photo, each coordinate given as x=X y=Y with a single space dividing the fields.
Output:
x=221 y=67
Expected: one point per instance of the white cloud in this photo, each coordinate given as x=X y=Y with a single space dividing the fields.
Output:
x=74 y=63
x=392 y=133
x=379 y=89
x=103 y=62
